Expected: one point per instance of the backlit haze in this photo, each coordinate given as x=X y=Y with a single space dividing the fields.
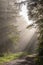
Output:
x=25 y=34
x=24 y=13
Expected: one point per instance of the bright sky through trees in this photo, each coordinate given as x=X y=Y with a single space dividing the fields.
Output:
x=24 y=13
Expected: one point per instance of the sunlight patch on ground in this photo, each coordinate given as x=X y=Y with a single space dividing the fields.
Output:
x=32 y=55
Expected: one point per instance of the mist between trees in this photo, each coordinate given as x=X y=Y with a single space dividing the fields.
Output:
x=9 y=35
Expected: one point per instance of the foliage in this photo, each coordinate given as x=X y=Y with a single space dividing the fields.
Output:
x=35 y=12
x=7 y=58
x=14 y=56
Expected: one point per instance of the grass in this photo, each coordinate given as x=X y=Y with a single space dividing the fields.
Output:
x=10 y=57
x=7 y=58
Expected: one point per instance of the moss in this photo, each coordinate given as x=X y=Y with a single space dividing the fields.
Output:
x=7 y=58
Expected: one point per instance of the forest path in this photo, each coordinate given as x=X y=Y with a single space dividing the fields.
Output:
x=27 y=60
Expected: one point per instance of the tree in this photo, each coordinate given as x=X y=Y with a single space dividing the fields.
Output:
x=35 y=12
x=8 y=31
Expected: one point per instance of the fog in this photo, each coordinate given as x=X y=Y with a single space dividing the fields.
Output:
x=25 y=34
x=12 y=15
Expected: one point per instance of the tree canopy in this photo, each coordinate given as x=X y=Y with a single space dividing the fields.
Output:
x=35 y=12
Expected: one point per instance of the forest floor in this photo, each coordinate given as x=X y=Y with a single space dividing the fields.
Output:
x=27 y=60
